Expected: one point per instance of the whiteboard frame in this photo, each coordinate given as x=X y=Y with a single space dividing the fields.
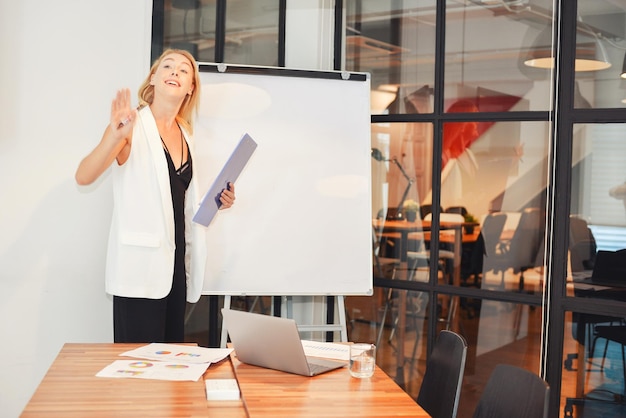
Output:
x=333 y=123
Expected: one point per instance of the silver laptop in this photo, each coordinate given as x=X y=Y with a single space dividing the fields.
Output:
x=272 y=342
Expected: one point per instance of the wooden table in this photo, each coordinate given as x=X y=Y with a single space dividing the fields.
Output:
x=270 y=393
x=71 y=389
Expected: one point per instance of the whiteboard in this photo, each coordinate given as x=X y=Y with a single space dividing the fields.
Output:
x=301 y=223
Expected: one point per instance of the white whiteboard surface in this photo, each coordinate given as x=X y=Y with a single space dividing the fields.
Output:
x=301 y=223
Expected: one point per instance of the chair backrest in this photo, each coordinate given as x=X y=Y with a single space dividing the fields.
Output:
x=427 y=208
x=513 y=392
x=526 y=241
x=441 y=387
x=378 y=261
x=582 y=245
x=491 y=231
x=457 y=209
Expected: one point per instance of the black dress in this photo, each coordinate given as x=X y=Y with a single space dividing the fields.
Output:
x=160 y=320
x=177 y=299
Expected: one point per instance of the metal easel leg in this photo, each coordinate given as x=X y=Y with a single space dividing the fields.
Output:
x=224 y=337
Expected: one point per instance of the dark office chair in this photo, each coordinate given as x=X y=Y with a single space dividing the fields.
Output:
x=425 y=209
x=586 y=330
x=457 y=209
x=513 y=392
x=441 y=387
x=382 y=265
x=616 y=334
x=521 y=252
x=582 y=245
x=485 y=248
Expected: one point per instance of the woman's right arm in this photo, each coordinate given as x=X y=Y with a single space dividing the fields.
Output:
x=115 y=142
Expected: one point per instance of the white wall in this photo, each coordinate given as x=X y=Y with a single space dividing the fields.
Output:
x=62 y=62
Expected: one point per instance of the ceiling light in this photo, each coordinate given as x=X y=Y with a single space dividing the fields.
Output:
x=590 y=56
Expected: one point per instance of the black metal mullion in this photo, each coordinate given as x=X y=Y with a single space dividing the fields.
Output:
x=553 y=326
x=282 y=21
x=158 y=25
x=338 y=36
x=220 y=30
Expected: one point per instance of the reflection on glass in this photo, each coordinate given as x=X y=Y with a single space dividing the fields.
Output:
x=491 y=70
x=598 y=207
x=252 y=32
x=396 y=321
x=496 y=332
x=600 y=51
x=494 y=175
x=594 y=369
x=395 y=43
x=190 y=25
x=401 y=161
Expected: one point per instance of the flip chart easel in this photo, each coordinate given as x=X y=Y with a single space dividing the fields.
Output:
x=301 y=225
x=287 y=301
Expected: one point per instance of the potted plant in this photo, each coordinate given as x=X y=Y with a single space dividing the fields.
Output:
x=410 y=209
x=472 y=221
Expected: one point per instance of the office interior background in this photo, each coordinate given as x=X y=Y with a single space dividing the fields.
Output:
x=543 y=146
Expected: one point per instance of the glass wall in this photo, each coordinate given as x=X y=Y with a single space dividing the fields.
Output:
x=190 y=25
x=250 y=28
x=599 y=55
x=395 y=43
x=593 y=369
x=594 y=342
x=490 y=67
x=598 y=197
x=251 y=32
x=462 y=100
x=481 y=227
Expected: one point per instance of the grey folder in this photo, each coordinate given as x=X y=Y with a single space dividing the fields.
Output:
x=230 y=172
x=272 y=342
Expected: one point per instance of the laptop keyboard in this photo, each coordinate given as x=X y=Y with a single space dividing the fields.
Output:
x=320 y=366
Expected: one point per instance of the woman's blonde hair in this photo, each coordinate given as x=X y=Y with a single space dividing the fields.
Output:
x=191 y=101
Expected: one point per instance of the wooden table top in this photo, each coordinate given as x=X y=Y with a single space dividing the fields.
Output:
x=270 y=393
x=71 y=389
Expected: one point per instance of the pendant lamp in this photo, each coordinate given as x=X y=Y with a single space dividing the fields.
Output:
x=590 y=55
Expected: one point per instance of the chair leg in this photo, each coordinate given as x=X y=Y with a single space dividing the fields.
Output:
x=388 y=300
x=624 y=369
x=384 y=318
x=606 y=347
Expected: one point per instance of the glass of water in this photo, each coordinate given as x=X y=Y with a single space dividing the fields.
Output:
x=362 y=359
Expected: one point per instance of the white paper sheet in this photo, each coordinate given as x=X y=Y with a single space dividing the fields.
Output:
x=326 y=350
x=179 y=353
x=159 y=370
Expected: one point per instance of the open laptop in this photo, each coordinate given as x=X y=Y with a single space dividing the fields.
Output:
x=609 y=269
x=272 y=342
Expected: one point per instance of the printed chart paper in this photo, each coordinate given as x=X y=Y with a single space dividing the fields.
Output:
x=179 y=353
x=159 y=370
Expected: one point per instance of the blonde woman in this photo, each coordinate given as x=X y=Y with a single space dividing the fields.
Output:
x=156 y=255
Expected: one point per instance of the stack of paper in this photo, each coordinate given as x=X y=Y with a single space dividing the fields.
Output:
x=165 y=362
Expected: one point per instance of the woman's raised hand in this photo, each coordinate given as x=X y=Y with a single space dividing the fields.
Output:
x=122 y=115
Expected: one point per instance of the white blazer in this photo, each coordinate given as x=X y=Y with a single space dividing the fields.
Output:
x=140 y=257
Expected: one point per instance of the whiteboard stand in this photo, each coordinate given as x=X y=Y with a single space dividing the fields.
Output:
x=339 y=326
x=288 y=302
